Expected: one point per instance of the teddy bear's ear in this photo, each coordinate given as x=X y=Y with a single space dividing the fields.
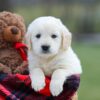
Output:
x=28 y=40
x=66 y=37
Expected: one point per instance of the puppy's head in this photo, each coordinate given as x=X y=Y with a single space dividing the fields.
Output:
x=46 y=36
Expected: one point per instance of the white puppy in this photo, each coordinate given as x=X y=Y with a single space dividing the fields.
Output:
x=50 y=54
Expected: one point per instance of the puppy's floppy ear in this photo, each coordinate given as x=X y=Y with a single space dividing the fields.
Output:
x=66 y=37
x=28 y=40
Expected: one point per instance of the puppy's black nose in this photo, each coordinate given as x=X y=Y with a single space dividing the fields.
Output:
x=45 y=47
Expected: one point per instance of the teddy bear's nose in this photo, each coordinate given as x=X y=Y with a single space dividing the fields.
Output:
x=14 y=30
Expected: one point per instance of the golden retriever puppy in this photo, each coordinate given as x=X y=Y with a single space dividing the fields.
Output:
x=50 y=54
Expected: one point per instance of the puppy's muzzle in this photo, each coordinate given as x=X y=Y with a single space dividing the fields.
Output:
x=45 y=48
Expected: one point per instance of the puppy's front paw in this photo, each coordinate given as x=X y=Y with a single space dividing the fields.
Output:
x=56 y=88
x=37 y=85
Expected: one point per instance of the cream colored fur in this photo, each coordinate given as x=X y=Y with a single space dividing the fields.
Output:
x=60 y=63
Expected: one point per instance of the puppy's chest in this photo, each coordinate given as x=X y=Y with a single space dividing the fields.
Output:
x=47 y=68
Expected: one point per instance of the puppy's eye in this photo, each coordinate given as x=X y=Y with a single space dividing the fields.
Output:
x=54 y=36
x=38 y=36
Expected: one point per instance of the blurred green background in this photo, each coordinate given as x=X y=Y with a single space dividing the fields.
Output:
x=82 y=17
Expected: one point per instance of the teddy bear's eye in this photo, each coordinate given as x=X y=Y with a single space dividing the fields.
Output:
x=38 y=35
x=54 y=36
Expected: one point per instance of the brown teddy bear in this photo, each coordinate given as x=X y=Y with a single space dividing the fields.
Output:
x=12 y=51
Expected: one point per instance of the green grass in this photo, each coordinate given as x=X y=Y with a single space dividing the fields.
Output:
x=90 y=80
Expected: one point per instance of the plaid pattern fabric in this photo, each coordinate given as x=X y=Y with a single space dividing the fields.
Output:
x=18 y=87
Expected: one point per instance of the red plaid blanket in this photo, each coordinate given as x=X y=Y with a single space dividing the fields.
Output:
x=18 y=87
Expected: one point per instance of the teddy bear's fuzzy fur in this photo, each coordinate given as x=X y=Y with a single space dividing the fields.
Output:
x=12 y=29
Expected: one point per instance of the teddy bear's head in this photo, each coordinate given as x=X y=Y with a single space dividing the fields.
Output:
x=12 y=28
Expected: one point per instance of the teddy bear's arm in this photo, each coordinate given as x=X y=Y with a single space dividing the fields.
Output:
x=5 y=69
x=23 y=68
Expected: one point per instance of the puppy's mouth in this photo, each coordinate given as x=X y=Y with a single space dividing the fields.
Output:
x=45 y=52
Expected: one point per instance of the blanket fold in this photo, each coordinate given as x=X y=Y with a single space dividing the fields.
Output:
x=18 y=87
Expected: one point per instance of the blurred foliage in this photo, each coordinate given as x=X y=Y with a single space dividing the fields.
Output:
x=80 y=16
x=77 y=17
x=5 y=5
